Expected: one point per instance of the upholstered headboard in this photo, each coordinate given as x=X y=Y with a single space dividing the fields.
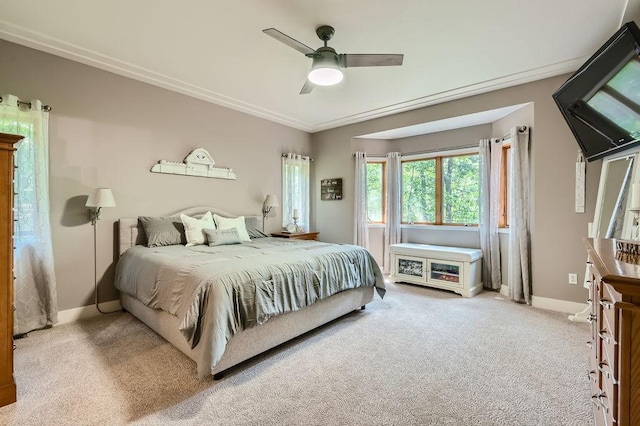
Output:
x=130 y=232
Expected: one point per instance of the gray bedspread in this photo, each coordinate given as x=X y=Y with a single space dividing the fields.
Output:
x=218 y=291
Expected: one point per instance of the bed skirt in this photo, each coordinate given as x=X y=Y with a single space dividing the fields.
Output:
x=253 y=341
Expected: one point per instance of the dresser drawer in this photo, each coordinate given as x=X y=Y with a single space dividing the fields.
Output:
x=609 y=383
x=602 y=409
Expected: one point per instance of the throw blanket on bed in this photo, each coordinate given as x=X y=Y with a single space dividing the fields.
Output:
x=218 y=291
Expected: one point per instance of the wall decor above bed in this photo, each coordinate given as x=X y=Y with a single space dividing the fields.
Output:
x=197 y=163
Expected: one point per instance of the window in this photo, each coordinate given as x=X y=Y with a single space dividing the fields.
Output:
x=376 y=188
x=24 y=178
x=442 y=190
x=295 y=189
x=505 y=186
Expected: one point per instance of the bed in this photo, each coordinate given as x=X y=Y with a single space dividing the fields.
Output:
x=223 y=305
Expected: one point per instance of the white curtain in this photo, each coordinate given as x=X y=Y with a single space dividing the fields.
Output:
x=490 y=170
x=295 y=189
x=360 y=219
x=392 y=231
x=35 y=285
x=519 y=255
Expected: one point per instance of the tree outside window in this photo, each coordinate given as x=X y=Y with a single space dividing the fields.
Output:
x=375 y=192
x=441 y=190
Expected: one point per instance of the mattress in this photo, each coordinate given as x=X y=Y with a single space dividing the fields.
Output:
x=216 y=292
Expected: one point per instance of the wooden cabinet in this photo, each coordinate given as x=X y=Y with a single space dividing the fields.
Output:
x=614 y=354
x=297 y=235
x=7 y=383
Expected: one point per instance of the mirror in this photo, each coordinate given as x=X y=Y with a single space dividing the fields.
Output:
x=611 y=205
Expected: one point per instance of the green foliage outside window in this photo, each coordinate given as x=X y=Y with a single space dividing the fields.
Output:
x=419 y=191
x=375 y=192
x=461 y=189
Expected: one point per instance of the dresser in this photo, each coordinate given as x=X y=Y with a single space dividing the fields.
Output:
x=7 y=383
x=614 y=341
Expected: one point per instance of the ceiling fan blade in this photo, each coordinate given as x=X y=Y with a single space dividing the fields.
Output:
x=349 y=60
x=291 y=42
x=307 y=88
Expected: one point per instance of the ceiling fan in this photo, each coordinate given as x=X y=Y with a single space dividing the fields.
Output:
x=325 y=70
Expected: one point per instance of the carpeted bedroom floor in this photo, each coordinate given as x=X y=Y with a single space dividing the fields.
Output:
x=418 y=357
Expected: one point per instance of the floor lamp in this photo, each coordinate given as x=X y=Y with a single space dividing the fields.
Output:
x=99 y=198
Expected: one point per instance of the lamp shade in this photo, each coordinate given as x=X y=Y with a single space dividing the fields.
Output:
x=325 y=70
x=101 y=197
x=271 y=201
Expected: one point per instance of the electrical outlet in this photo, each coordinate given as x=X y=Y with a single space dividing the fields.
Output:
x=573 y=279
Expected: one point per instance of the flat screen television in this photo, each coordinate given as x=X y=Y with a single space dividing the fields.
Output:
x=601 y=101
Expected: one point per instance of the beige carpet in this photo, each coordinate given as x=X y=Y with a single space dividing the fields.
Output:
x=420 y=356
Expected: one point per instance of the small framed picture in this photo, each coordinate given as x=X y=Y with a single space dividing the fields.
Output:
x=331 y=189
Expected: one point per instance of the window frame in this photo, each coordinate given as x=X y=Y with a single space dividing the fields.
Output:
x=438 y=156
x=503 y=218
x=383 y=162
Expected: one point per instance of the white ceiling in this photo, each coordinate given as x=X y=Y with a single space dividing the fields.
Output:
x=216 y=51
x=458 y=122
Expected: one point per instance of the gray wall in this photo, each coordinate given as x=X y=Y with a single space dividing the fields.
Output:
x=107 y=130
x=556 y=231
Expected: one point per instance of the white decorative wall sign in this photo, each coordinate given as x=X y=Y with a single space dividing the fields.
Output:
x=198 y=163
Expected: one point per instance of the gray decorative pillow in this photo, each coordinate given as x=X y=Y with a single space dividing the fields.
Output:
x=253 y=227
x=163 y=231
x=221 y=237
x=256 y=233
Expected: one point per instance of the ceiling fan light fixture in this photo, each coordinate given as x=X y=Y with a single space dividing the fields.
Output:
x=325 y=70
x=325 y=76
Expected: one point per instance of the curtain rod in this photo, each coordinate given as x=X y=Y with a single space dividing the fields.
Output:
x=286 y=155
x=45 y=108
x=521 y=129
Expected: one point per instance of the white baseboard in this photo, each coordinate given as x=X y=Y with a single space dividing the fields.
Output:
x=557 y=305
x=550 y=304
x=75 y=314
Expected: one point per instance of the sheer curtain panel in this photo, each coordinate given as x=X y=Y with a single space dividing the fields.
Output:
x=392 y=231
x=360 y=218
x=35 y=285
x=519 y=253
x=295 y=189
x=490 y=169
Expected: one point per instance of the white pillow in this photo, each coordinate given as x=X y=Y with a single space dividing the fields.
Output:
x=233 y=222
x=193 y=228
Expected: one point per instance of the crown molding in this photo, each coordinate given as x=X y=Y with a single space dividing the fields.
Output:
x=458 y=93
x=38 y=41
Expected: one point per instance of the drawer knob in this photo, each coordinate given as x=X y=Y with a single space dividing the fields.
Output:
x=607 y=304
x=589 y=344
x=604 y=335
x=604 y=368
x=598 y=401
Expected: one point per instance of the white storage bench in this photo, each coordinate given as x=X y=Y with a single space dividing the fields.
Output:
x=449 y=268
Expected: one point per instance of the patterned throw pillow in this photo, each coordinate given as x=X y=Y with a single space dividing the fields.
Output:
x=221 y=237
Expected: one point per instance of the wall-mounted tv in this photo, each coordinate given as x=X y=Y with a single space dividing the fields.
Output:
x=601 y=101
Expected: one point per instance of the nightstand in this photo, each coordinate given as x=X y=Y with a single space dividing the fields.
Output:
x=297 y=235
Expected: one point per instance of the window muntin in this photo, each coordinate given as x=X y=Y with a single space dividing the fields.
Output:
x=442 y=190
x=376 y=190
